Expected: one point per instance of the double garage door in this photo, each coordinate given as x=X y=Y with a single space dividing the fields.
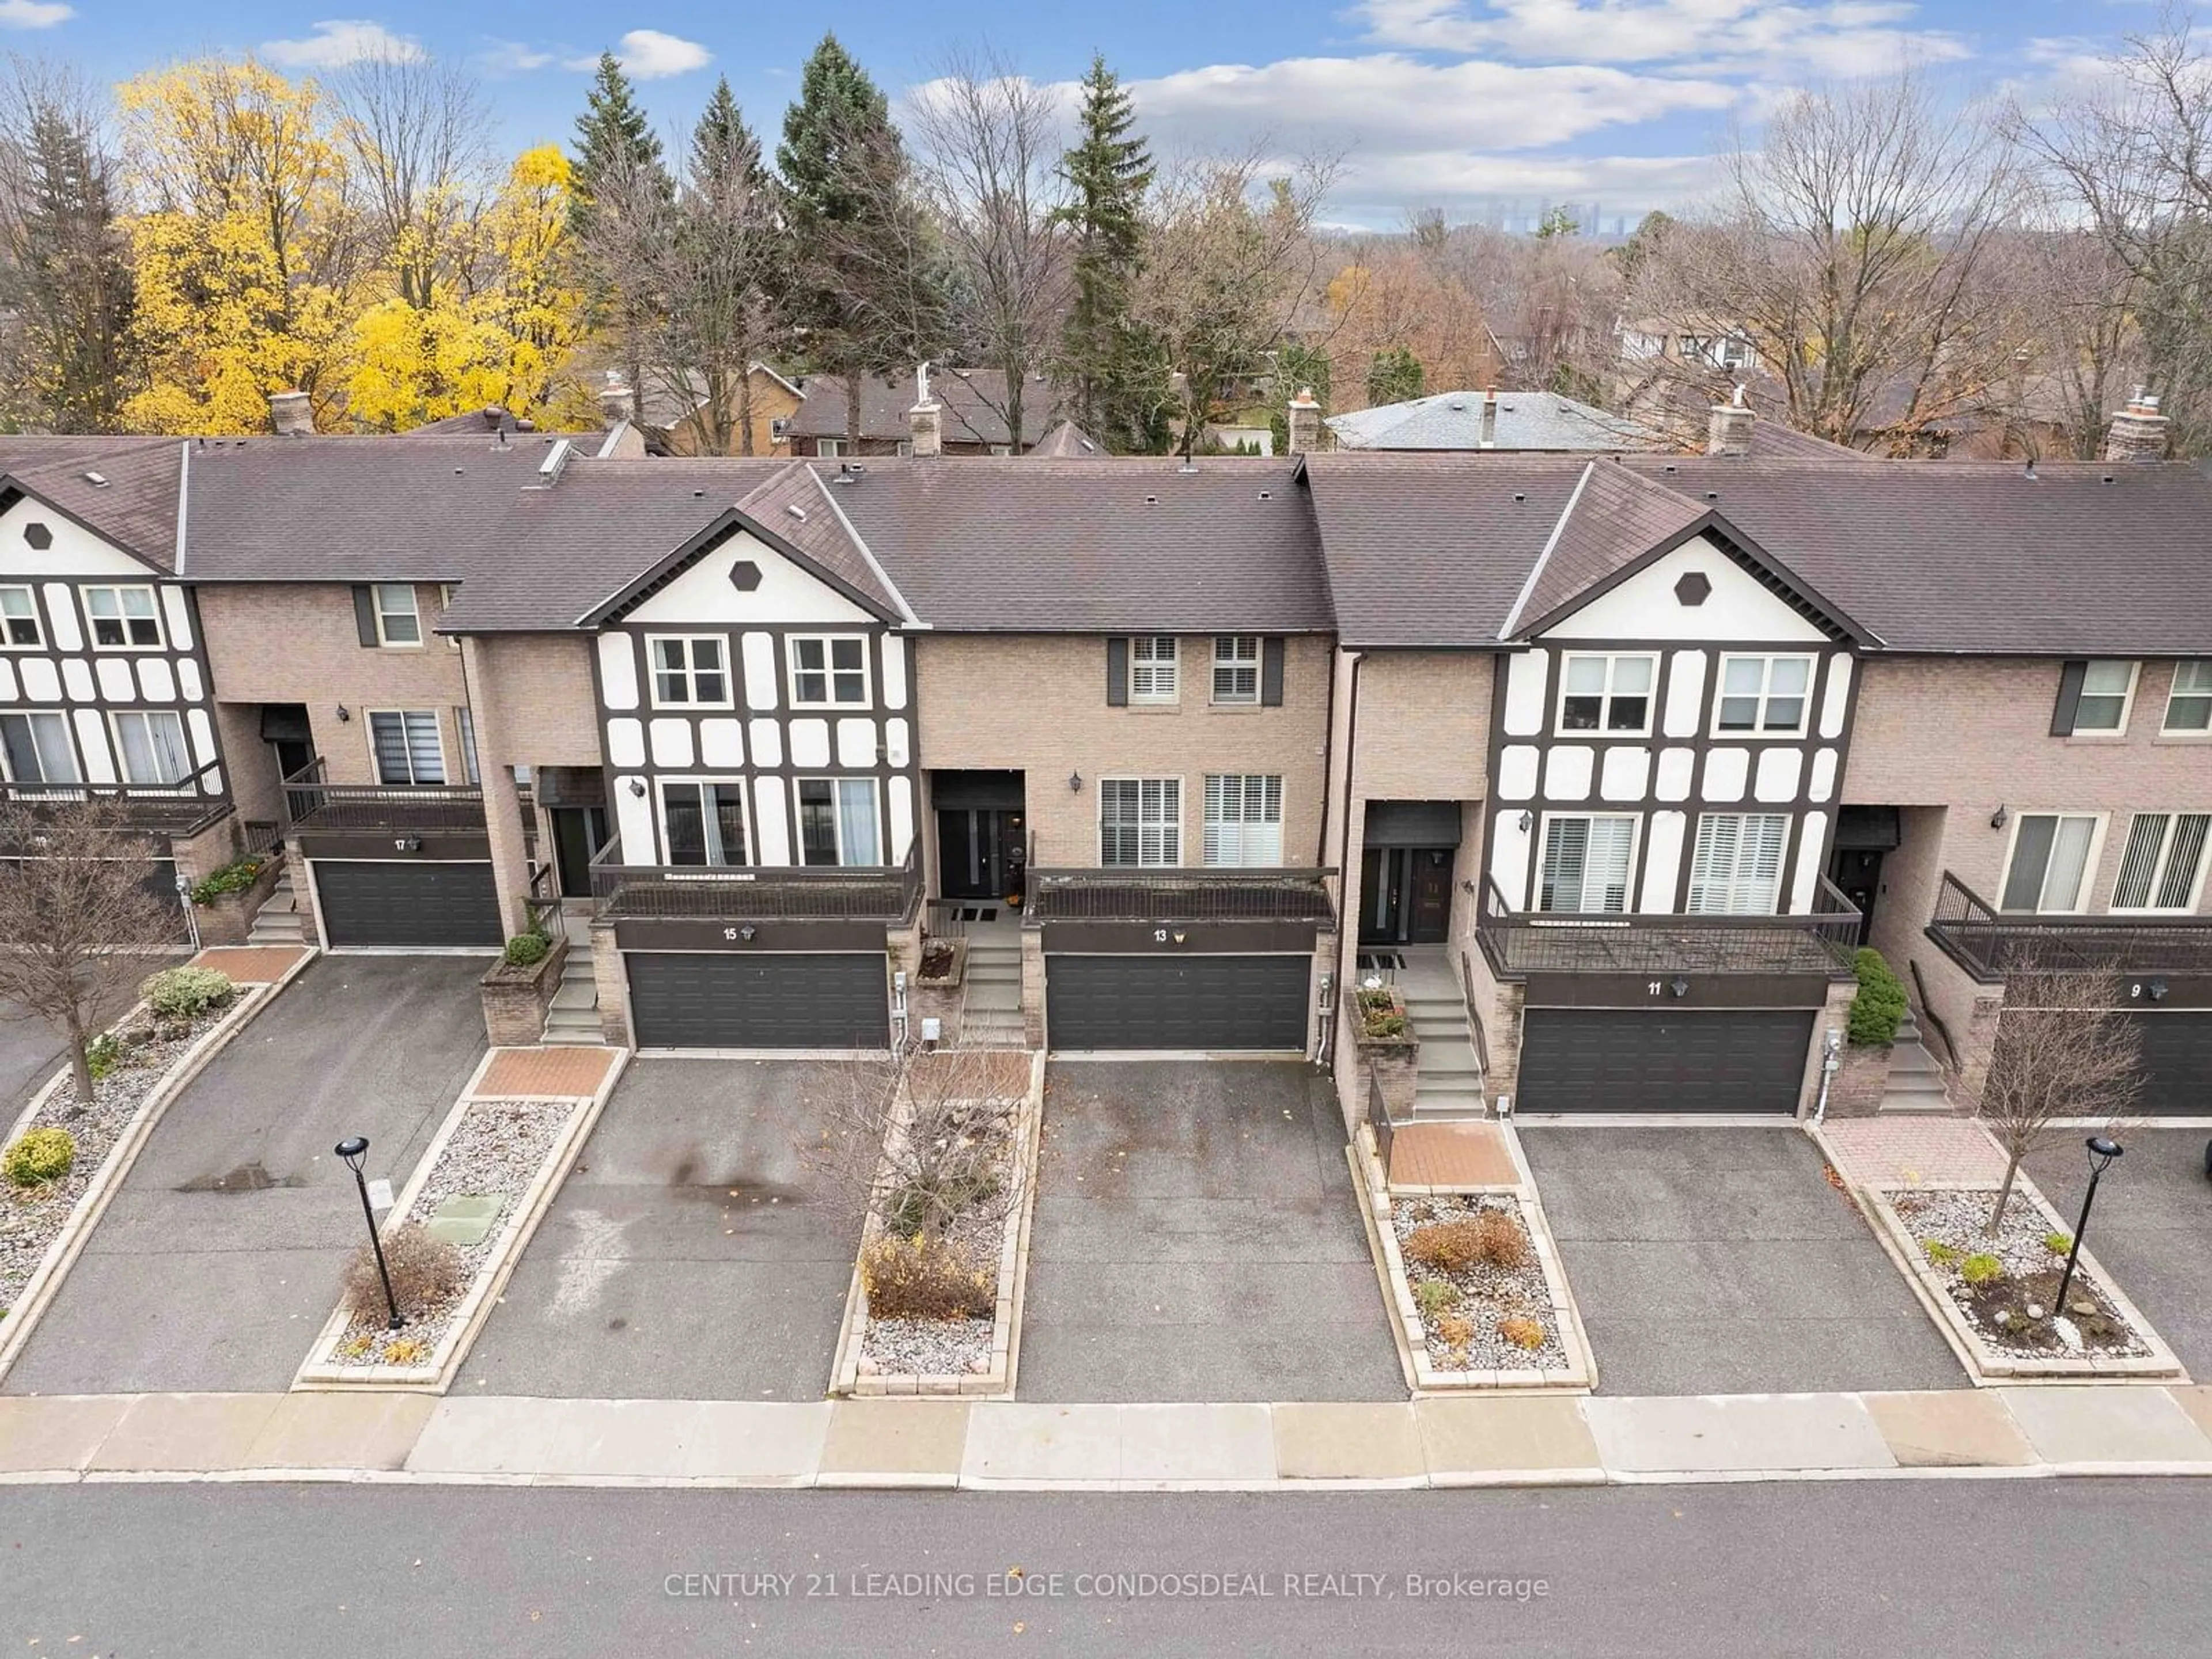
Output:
x=1223 y=1002
x=1635 y=1060
x=706 y=1000
x=391 y=905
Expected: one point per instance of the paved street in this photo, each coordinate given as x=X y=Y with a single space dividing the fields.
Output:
x=1720 y=1261
x=218 y=1259
x=1196 y=1238
x=30 y=1052
x=1711 y=1571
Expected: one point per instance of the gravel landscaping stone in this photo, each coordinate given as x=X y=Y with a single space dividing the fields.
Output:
x=1957 y=1219
x=496 y=1151
x=949 y=1347
x=1485 y=1295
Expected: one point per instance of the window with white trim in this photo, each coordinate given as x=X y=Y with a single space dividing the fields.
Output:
x=703 y=821
x=2108 y=686
x=1140 y=821
x=1764 y=696
x=35 y=748
x=689 y=671
x=2163 y=868
x=1607 y=694
x=398 y=621
x=838 y=822
x=406 y=746
x=1153 y=672
x=2049 y=870
x=828 y=670
x=1244 y=819
x=827 y=447
x=2188 y=705
x=1237 y=668
x=465 y=721
x=1736 y=866
x=149 y=743
x=19 y=620
x=1586 y=862
x=123 y=618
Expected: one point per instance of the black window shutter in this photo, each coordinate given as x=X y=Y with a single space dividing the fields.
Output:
x=1117 y=672
x=2070 y=694
x=364 y=614
x=1270 y=672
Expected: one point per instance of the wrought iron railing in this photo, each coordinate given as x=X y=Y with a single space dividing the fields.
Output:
x=1992 y=944
x=542 y=903
x=1474 y=1028
x=1177 y=895
x=1518 y=943
x=312 y=803
x=1935 y=1020
x=885 y=893
x=183 y=808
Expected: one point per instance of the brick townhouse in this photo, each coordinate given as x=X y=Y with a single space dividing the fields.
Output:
x=1608 y=763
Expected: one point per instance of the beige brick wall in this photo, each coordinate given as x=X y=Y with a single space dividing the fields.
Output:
x=1969 y=734
x=1036 y=704
x=534 y=700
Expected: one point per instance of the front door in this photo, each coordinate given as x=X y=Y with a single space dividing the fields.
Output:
x=1858 y=876
x=979 y=851
x=1428 y=886
x=1405 y=895
x=579 y=832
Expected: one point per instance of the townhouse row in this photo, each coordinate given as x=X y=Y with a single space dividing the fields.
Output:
x=1608 y=765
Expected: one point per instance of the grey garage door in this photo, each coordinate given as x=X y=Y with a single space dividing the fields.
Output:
x=1177 y=1002
x=395 y=905
x=705 y=999
x=2177 y=1061
x=1634 y=1060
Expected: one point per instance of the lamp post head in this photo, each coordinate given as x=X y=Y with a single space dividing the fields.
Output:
x=2102 y=1150
x=354 y=1150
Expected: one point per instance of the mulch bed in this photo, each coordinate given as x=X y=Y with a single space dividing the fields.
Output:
x=1485 y=1295
x=2014 y=1312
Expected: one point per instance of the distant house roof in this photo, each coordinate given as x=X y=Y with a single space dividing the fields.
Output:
x=1065 y=441
x=974 y=401
x=1525 y=421
x=489 y=419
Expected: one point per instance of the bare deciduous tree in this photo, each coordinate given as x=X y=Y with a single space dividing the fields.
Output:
x=416 y=131
x=78 y=921
x=2067 y=1049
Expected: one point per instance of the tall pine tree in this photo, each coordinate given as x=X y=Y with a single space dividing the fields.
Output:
x=614 y=141
x=620 y=193
x=1109 y=170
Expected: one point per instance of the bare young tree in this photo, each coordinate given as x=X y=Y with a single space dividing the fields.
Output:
x=416 y=131
x=78 y=921
x=2066 y=1049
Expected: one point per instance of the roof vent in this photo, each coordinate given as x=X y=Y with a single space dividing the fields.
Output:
x=1266 y=495
x=97 y=480
x=796 y=510
x=2108 y=478
x=1187 y=467
x=1671 y=467
x=1154 y=501
x=1712 y=494
x=2030 y=474
x=1520 y=494
x=696 y=494
x=549 y=469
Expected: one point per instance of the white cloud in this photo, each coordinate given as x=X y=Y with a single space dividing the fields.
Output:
x=1841 y=37
x=34 y=13
x=649 y=55
x=339 y=41
x=511 y=58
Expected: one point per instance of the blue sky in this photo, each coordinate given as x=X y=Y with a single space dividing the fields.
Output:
x=1440 y=102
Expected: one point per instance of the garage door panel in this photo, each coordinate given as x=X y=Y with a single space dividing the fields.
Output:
x=394 y=905
x=791 y=999
x=1616 y=1059
x=1256 y=1002
x=2177 y=1061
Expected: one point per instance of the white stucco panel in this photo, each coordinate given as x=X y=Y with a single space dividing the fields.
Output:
x=92 y=746
x=809 y=743
x=902 y=814
x=1678 y=767
x=704 y=594
x=202 y=732
x=1517 y=771
x=856 y=742
x=626 y=743
x=7 y=681
x=898 y=742
x=188 y=680
x=895 y=650
x=633 y=818
x=764 y=683
x=1836 y=698
x=1662 y=859
x=1526 y=676
x=1823 y=785
x=180 y=616
x=671 y=741
x=117 y=684
x=42 y=681
x=768 y=743
x=1645 y=607
x=1811 y=856
x=1509 y=857
x=617 y=671
x=721 y=742
x=75 y=550
x=61 y=615
x=771 y=818
x=77 y=679
x=1567 y=770
x=1685 y=690
x=1778 y=769
x=155 y=682
x=1727 y=771
x=1625 y=769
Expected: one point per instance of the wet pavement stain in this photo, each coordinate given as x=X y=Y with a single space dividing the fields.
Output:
x=246 y=1178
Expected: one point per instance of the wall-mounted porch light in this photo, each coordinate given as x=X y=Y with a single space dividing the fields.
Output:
x=2000 y=817
x=1528 y=822
x=1075 y=783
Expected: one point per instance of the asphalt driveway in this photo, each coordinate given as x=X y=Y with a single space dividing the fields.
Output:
x=219 y=1259
x=1196 y=1238
x=30 y=1053
x=688 y=1255
x=1721 y=1261
x=2151 y=1228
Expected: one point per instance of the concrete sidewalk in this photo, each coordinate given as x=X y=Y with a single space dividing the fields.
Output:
x=991 y=1445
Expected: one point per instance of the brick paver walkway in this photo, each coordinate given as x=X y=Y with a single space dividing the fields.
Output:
x=250 y=964
x=1451 y=1155
x=550 y=1074
x=1890 y=1151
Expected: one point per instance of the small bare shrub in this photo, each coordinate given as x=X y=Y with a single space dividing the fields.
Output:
x=1456 y=1331
x=912 y=1278
x=425 y=1270
x=1521 y=1333
x=1455 y=1247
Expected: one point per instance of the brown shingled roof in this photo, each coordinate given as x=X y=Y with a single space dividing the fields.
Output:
x=134 y=506
x=974 y=401
x=1614 y=518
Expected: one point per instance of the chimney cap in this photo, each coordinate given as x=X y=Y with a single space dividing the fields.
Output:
x=1305 y=399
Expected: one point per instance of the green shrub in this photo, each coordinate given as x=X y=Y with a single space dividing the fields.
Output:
x=103 y=1054
x=179 y=996
x=41 y=1157
x=527 y=950
x=234 y=878
x=1386 y=1025
x=1880 y=1003
x=2057 y=1243
x=1980 y=1268
x=1938 y=1253
x=1434 y=1296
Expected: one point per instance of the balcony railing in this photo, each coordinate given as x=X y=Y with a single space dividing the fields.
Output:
x=1523 y=942
x=313 y=804
x=1992 y=944
x=883 y=893
x=179 y=809
x=1177 y=895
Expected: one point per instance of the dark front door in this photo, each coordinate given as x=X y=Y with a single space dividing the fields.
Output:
x=1177 y=1002
x=1858 y=876
x=579 y=832
x=1428 y=887
x=979 y=851
x=1406 y=895
x=291 y=740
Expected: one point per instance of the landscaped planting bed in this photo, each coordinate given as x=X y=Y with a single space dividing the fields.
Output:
x=958 y=1347
x=1478 y=1284
x=2006 y=1287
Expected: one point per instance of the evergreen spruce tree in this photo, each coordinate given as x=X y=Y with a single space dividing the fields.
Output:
x=1393 y=376
x=620 y=191
x=613 y=138
x=1109 y=170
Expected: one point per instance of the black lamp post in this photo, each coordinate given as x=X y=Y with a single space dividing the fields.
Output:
x=355 y=1151
x=2102 y=1151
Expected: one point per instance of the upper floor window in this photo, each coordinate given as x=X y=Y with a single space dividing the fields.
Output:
x=1586 y=862
x=1237 y=668
x=2108 y=687
x=398 y=621
x=1736 y=868
x=2164 y=865
x=837 y=822
x=151 y=745
x=1244 y=819
x=704 y=821
x=2051 y=857
x=1764 y=696
x=2188 y=706
x=828 y=670
x=36 y=748
x=123 y=618
x=406 y=746
x=1153 y=676
x=19 y=619
x=1140 y=821
x=1607 y=694
x=827 y=447
x=690 y=669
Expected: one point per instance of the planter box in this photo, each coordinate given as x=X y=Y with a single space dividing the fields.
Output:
x=229 y=919
x=948 y=980
x=516 y=999
x=1396 y=1060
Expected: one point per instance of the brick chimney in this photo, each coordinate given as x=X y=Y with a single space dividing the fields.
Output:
x=615 y=404
x=924 y=421
x=1489 y=438
x=290 y=413
x=1304 y=422
x=2137 y=432
x=1727 y=429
